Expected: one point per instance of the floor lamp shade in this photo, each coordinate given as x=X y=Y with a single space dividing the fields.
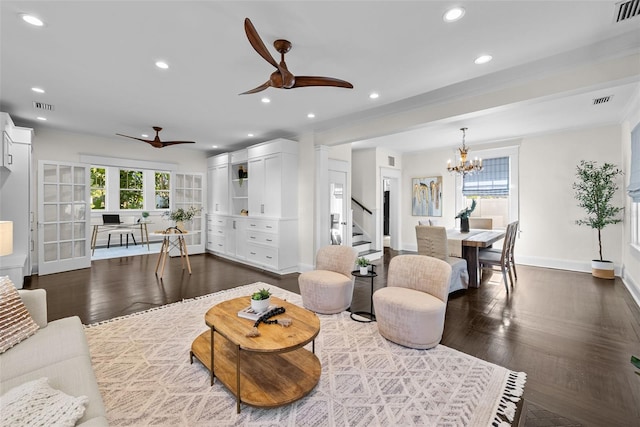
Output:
x=6 y=238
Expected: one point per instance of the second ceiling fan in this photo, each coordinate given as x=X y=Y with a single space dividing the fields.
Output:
x=282 y=78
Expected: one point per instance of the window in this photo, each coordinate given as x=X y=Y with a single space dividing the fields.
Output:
x=131 y=189
x=495 y=188
x=98 y=188
x=162 y=187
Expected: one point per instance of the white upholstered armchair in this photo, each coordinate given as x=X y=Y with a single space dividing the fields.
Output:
x=329 y=288
x=410 y=310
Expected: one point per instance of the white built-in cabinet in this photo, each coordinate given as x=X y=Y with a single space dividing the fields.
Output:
x=218 y=180
x=15 y=197
x=266 y=236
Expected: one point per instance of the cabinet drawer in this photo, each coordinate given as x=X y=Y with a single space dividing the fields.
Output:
x=262 y=237
x=217 y=230
x=262 y=225
x=216 y=243
x=262 y=255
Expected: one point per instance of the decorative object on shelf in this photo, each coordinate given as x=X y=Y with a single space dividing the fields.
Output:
x=264 y=319
x=180 y=215
x=427 y=196
x=242 y=174
x=261 y=300
x=144 y=215
x=595 y=188
x=465 y=167
x=464 y=217
x=363 y=263
x=244 y=212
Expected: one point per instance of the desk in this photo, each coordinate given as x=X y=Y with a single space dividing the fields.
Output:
x=471 y=244
x=144 y=232
x=167 y=244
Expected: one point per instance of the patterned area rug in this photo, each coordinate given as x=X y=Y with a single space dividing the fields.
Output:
x=142 y=365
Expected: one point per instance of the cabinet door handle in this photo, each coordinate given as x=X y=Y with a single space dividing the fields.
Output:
x=268 y=226
x=10 y=159
x=262 y=208
x=234 y=224
x=269 y=240
x=268 y=257
x=253 y=237
x=252 y=253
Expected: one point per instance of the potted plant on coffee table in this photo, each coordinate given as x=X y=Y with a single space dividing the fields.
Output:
x=595 y=188
x=260 y=300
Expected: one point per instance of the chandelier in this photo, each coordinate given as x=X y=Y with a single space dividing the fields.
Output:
x=465 y=167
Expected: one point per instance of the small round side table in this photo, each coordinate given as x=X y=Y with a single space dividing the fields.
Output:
x=367 y=314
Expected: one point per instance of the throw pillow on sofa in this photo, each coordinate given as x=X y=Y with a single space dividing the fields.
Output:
x=16 y=323
x=36 y=403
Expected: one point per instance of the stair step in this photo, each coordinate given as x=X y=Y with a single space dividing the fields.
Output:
x=367 y=254
x=355 y=233
x=363 y=242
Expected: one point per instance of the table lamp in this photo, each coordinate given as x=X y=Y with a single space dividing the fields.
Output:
x=6 y=238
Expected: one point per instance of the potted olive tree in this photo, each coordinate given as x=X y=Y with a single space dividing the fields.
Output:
x=595 y=189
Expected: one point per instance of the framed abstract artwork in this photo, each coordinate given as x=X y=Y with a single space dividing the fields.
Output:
x=426 y=196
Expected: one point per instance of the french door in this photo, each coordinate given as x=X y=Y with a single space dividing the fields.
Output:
x=63 y=217
x=189 y=191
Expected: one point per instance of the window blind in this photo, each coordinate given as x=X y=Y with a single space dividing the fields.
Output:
x=493 y=180
x=634 y=179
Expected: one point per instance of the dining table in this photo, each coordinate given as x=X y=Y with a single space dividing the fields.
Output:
x=468 y=244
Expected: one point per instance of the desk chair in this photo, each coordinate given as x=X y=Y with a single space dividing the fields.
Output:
x=114 y=219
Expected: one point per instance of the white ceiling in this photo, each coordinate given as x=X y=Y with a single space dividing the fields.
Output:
x=95 y=59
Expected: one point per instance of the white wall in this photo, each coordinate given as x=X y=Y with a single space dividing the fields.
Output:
x=306 y=202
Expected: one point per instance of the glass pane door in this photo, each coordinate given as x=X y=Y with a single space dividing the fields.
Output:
x=63 y=209
x=188 y=192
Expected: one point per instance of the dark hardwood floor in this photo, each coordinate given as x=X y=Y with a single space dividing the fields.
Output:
x=571 y=333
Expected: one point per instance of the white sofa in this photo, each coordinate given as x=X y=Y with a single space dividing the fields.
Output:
x=58 y=351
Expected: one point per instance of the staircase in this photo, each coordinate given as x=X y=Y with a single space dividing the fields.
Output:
x=363 y=246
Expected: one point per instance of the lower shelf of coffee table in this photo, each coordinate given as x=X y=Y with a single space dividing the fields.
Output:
x=266 y=379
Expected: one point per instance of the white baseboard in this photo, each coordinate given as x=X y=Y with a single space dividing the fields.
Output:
x=560 y=264
x=633 y=287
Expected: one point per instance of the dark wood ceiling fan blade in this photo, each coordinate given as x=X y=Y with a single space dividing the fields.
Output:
x=260 y=88
x=256 y=42
x=165 y=143
x=133 y=137
x=302 y=81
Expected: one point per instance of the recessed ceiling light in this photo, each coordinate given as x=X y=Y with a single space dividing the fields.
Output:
x=162 y=64
x=250 y=135
x=44 y=119
x=144 y=135
x=214 y=146
x=265 y=100
x=37 y=89
x=453 y=14
x=311 y=115
x=30 y=19
x=374 y=95
x=483 y=59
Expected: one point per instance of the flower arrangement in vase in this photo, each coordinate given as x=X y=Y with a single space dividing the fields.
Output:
x=180 y=215
x=464 y=216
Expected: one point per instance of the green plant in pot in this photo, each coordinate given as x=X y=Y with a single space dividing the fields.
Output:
x=363 y=263
x=260 y=300
x=180 y=215
x=595 y=188
x=464 y=216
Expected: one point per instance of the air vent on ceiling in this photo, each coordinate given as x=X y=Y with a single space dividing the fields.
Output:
x=601 y=100
x=626 y=10
x=42 y=106
x=392 y=160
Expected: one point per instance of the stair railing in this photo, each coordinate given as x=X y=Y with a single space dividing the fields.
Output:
x=364 y=208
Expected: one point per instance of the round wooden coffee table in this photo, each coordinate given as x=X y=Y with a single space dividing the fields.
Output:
x=270 y=370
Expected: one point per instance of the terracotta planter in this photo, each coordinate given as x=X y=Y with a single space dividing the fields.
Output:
x=602 y=269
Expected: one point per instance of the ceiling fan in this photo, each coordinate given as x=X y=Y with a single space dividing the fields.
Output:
x=155 y=142
x=282 y=78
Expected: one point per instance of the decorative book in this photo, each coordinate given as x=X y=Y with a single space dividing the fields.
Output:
x=248 y=313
